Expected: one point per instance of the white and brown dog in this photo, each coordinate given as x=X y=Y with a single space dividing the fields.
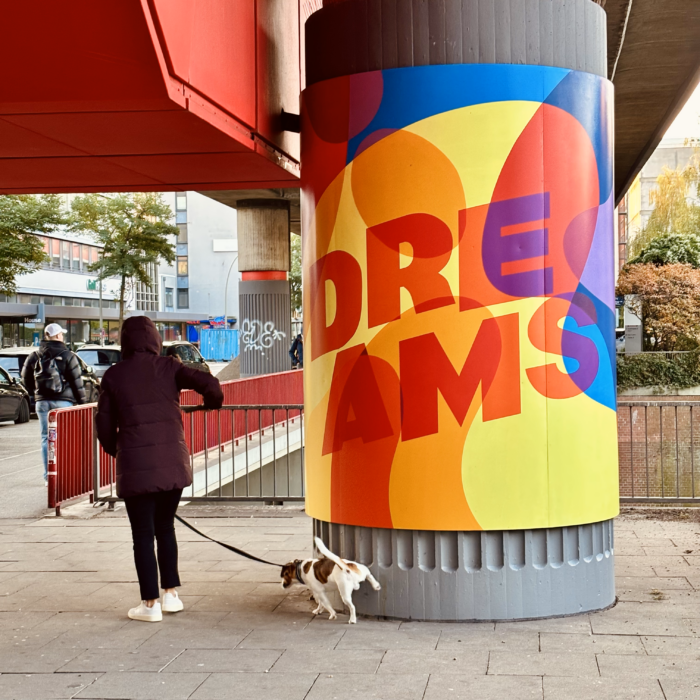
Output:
x=319 y=575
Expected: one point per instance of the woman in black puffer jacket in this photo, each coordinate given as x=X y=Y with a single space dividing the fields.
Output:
x=139 y=422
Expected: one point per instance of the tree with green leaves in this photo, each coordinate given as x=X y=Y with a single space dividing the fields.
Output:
x=295 y=274
x=670 y=248
x=134 y=232
x=21 y=217
x=674 y=211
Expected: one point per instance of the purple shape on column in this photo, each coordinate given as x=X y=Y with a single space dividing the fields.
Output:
x=599 y=274
x=498 y=249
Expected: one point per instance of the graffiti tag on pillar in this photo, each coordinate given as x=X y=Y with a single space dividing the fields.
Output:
x=258 y=336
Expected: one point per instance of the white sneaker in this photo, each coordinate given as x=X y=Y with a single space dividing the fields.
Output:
x=172 y=602
x=146 y=614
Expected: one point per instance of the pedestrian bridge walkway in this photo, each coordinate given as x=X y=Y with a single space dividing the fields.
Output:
x=67 y=583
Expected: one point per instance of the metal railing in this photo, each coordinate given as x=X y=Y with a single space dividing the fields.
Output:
x=659 y=451
x=237 y=453
x=255 y=411
x=73 y=449
x=265 y=460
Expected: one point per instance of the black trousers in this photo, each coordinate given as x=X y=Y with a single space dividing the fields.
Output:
x=152 y=515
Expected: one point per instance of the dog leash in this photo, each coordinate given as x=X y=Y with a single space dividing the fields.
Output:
x=230 y=547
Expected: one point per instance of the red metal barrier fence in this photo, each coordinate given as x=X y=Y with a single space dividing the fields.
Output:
x=74 y=451
x=270 y=389
x=72 y=454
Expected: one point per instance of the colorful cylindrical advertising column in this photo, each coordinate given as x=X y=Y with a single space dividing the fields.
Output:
x=459 y=318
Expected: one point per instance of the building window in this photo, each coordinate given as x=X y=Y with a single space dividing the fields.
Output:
x=182 y=235
x=47 y=249
x=68 y=256
x=181 y=217
x=147 y=294
x=183 y=299
x=76 y=257
x=182 y=267
x=169 y=297
x=56 y=253
x=181 y=201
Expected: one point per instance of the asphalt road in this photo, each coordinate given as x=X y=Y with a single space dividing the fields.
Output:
x=22 y=490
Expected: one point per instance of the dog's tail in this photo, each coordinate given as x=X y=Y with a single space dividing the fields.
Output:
x=329 y=555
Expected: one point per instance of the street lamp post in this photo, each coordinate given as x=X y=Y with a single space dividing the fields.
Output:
x=102 y=340
x=226 y=291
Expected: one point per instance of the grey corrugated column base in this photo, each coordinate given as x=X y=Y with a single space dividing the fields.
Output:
x=265 y=327
x=498 y=575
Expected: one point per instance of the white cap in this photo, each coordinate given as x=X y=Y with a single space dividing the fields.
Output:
x=53 y=329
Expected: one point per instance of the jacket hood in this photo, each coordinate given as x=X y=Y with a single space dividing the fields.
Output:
x=139 y=334
x=53 y=347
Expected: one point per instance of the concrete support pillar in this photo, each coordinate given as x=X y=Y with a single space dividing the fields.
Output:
x=264 y=304
x=461 y=436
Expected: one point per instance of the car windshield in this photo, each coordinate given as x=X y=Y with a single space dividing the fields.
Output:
x=100 y=357
x=187 y=353
x=11 y=364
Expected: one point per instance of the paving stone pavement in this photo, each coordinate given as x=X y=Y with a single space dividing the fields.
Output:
x=67 y=583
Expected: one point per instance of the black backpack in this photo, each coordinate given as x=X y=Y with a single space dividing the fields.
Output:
x=48 y=375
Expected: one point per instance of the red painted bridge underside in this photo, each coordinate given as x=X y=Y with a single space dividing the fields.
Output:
x=147 y=94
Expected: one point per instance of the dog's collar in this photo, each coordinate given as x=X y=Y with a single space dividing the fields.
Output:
x=298 y=572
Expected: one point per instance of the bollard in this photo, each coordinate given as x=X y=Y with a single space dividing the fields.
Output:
x=52 y=463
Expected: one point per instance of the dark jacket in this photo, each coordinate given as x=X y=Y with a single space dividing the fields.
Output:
x=296 y=352
x=138 y=415
x=68 y=364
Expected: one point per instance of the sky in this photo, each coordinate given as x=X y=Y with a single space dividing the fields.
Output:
x=687 y=123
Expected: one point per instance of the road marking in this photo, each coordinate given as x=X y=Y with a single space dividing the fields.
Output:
x=20 y=455
x=20 y=471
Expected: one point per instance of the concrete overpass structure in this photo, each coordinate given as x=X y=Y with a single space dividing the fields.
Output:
x=168 y=94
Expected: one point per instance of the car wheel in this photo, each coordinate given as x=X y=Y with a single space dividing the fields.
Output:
x=23 y=413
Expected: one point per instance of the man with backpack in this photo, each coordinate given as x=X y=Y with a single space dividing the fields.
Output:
x=296 y=352
x=52 y=373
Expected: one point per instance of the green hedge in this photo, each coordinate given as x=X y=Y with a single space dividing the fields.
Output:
x=651 y=369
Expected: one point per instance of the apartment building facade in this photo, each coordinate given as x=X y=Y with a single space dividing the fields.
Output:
x=179 y=298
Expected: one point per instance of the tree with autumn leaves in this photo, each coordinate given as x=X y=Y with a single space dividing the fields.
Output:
x=667 y=299
x=661 y=281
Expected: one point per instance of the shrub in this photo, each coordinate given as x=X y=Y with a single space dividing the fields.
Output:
x=680 y=371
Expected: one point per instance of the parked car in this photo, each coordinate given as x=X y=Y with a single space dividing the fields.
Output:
x=188 y=354
x=14 y=399
x=12 y=360
x=619 y=339
x=101 y=358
